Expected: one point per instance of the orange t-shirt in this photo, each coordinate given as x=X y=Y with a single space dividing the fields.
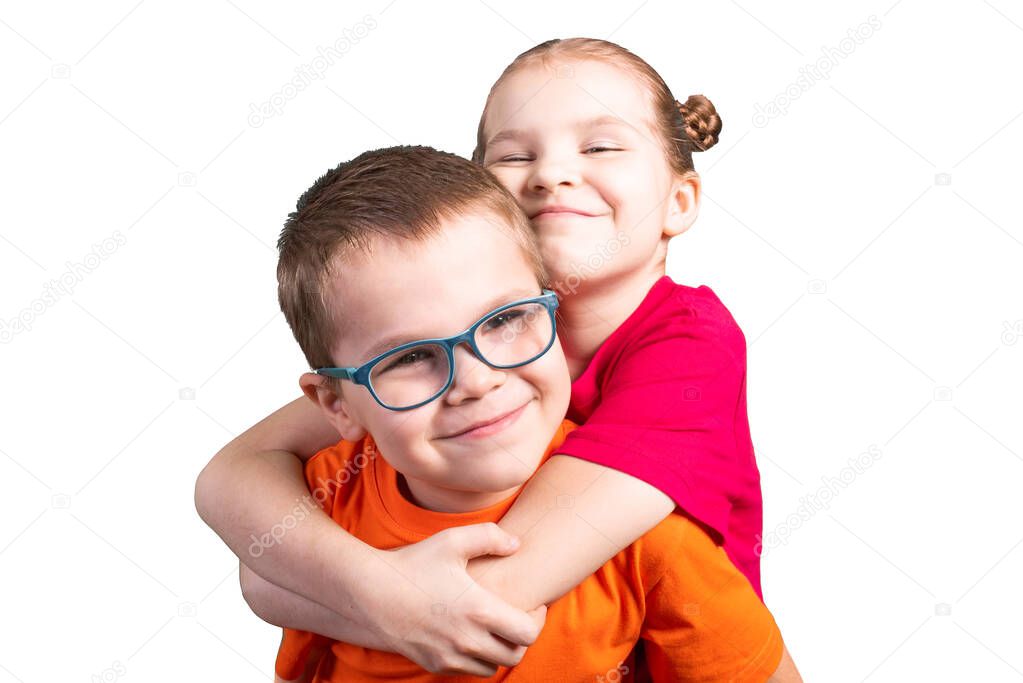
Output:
x=696 y=614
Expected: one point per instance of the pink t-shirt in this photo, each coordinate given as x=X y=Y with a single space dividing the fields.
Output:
x=664 y=400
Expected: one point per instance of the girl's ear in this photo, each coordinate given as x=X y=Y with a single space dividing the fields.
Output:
x=334 y=406
x=683 y=204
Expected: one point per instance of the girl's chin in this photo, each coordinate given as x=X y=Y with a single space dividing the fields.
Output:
x=564 y=258
x=568 y=282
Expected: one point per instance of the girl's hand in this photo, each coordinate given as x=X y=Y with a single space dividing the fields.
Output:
x=432 y=612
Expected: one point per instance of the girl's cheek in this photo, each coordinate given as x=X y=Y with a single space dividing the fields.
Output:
x=635 y=188
x=513 y=182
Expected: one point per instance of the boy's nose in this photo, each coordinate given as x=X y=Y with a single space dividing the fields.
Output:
x=472 y=377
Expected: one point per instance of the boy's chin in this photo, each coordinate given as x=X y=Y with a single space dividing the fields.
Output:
x=511 y=473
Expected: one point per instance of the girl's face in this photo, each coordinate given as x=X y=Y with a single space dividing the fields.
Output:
x=575 y=143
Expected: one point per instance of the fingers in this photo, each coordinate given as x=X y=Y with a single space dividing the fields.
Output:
x=468 y=666
x=539 y=616
x=497 y=617
x=481 y=656
x=484 y=633
x=477 y=653
x=480 y=539
x=478 y=631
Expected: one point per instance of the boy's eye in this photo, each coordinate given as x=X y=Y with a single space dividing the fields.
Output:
x=411 y=357
x=514 y=157
x=505 y=318
x=601 y=148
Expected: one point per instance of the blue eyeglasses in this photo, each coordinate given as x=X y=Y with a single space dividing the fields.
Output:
x=413 y=374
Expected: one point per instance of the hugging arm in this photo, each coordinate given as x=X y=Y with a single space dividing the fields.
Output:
x=281 y=607
x=599 y=507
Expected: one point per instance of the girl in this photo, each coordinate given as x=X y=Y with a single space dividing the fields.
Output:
x=598 y=153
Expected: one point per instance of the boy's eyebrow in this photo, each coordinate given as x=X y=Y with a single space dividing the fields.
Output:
x=392 y=341
x=516 y=133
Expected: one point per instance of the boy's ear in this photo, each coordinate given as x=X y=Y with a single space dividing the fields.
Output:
x=334 y=406
x=683 y=204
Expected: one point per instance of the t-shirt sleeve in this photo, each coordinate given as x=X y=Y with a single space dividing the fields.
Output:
x=703 y=620
x=667 y=414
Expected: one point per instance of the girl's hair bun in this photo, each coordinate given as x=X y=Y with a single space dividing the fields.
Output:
x=701 y=122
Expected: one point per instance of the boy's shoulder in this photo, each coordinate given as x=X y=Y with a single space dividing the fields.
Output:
x=333 y=467
x=339 y=453
x=675 y=544
x=701 y=614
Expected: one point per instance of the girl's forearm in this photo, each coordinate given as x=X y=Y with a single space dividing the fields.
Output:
x=284 y=608
x=251 y=500
x=571 y=517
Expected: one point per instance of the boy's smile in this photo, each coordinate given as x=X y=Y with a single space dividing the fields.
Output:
x=481 y=439
x=489 y=427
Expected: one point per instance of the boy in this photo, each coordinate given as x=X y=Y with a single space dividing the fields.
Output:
x=384 y=258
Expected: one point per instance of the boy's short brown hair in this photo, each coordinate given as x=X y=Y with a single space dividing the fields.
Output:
x=397 y=193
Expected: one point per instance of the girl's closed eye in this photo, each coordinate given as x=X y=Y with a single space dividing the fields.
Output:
x=602 y=147
x=504 y=157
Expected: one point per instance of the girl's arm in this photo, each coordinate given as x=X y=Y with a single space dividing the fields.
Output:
x=600 y=509
x=281 y=607
x=441 y=620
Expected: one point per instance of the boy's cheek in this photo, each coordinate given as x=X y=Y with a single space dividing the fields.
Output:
x=554 y=389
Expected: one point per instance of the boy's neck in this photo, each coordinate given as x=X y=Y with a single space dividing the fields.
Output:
x=438 y=499
x=587 y=317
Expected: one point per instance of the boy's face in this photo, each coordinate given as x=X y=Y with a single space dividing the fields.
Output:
x=406 y=292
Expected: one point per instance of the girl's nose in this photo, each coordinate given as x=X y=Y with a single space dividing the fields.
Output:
x=472 y=377
x=550 y=173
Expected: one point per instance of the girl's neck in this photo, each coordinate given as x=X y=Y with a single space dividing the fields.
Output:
x=587 y=317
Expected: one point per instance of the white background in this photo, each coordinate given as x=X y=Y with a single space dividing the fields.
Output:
x=869 y=242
